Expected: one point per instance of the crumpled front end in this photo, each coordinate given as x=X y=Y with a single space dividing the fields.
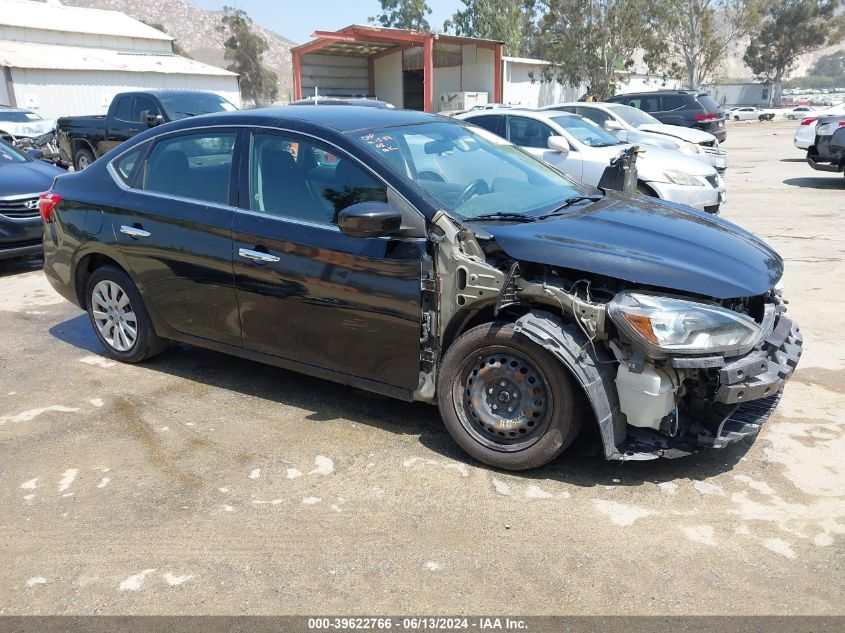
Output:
x=722 y=400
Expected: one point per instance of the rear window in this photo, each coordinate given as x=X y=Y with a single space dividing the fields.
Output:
x=708 y=103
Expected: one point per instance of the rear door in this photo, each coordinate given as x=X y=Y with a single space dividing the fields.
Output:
x=309 y=293
x=174 y=225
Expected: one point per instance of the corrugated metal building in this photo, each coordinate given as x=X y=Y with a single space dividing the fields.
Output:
x=62 y=61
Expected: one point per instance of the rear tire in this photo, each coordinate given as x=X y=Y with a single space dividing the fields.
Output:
x=119 y=316
x=505 y=400
x=82 y=159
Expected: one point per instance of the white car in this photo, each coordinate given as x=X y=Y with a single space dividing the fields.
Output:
x=632 y=125
x=805 y=135
x=747 y=113
x=20 y=123
x=798 y=113
x=583 y=150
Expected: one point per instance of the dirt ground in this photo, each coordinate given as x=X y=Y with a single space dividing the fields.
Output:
x=199 y=483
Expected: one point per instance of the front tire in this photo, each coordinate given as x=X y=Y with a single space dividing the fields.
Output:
x=119 y=317
x=506 y=400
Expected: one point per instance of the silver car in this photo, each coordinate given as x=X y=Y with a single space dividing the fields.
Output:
x=635 y=126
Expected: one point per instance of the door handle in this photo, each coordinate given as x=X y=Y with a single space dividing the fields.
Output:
x=134 y=231
x=257 y=256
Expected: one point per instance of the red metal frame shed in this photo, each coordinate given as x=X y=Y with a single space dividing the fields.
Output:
x=375 y=42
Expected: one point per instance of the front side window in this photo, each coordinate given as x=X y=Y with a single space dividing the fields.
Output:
x=528 y=132
x=143 y=104
x=587 y=132
x=196 y=166
x=468 y=170
x=290 y=178
x=123 y=110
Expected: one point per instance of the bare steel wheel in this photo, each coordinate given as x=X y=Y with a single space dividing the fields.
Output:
x=119 y=316
x=113 y=316
x=505 y=400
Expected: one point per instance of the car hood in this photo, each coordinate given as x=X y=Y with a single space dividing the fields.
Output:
x=684 y=133
x=649 y=242
x=32 y=177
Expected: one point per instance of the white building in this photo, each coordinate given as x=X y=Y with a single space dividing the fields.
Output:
x=62 y=61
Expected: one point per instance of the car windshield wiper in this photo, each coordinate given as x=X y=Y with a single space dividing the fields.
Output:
x=502 y=217
x=568 y=203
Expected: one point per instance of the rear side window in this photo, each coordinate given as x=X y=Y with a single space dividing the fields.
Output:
x=491 y=123
x=195 y=166
x=123 y=111
x=674 y=102
x=126 y=164
x=708 y=103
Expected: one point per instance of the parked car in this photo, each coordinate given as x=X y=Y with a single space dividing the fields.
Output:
x=83 y=139
x=748 y=113
x=22 y=181
x=805 y=135
x=687 y=108
x=497 y=288
x=18 y=123
x=582 y=149
x=635 y=126
x=798 y=113
x=828 y=150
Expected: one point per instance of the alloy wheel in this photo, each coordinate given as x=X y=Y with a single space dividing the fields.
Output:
x=113 y=315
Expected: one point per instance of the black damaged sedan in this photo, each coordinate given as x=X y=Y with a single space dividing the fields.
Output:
x=427 y=259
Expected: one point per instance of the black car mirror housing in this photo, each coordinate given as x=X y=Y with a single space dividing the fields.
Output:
x=369 y=219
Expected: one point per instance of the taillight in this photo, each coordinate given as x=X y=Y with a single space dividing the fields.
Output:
x=46 y=203
x=809 y=120
x=706 y=117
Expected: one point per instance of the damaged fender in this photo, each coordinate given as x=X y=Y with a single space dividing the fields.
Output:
x=591 y=367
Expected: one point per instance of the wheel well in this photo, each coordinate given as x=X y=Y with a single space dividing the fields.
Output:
x=78 y=143
x=86 y=266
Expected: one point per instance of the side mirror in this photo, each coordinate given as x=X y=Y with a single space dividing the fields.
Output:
x=558 y=144
x=151 y=120
x=612 y=126
x=369 y=219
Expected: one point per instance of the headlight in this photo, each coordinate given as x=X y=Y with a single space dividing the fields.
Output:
x=686 y=148
x=665 y=325
x=682 y=178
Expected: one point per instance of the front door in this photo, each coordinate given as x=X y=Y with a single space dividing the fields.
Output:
x=174 y=228
x=308 y=292
x=533 y=136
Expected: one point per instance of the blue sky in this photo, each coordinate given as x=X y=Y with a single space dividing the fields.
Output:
x=296 y=19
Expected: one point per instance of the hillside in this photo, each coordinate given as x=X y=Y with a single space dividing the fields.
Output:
x=196 y=31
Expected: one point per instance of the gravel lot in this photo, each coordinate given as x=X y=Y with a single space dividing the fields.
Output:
x=200 y=483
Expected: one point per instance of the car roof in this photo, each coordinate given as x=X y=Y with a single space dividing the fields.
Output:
x=536 y=114
x=342 y=118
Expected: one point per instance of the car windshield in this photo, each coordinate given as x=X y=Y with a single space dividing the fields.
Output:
x=586 y=132
x=471 y=172
x=18 y=117
x=632 y=116
x=183 y=105
x=8 y=155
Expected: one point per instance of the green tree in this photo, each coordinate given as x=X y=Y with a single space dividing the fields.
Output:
x=696 y=35
x=403 y=14
x=789 y=29
x=595 y=41
x=509 y=21
x=245 y=48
